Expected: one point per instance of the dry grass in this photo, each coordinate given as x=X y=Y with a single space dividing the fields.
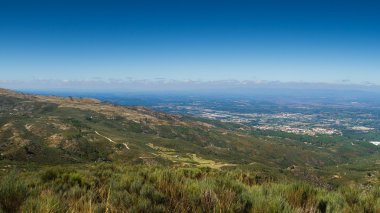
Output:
x=112 y=188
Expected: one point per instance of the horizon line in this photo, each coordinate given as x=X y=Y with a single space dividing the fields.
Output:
x=163 y=84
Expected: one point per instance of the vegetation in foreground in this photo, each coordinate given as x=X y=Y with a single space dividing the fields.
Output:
x=107 y=187
x=190 y=165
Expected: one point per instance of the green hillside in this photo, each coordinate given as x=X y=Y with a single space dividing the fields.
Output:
x=180 y=163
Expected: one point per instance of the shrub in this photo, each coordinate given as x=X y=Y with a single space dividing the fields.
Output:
x=141 y=188
x=301 y=195
x=331 y=202
x=136 y=186
x=13 y=192
x=47 y=201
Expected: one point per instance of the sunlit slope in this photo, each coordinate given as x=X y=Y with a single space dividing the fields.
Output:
x=47 y=129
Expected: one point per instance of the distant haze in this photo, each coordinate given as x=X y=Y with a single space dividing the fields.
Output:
x=189 y=87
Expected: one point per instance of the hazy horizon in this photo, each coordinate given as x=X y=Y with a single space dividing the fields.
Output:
x=177 y=86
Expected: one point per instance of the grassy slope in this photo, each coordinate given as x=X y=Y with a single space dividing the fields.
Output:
x=106 y=187
x=56 y=130
x=46 y=131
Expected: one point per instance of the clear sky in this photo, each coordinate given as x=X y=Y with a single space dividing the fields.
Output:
x=284 y=40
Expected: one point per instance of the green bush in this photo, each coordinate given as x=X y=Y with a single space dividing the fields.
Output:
x=47 y=201
x=13 y=192
x=141 y=188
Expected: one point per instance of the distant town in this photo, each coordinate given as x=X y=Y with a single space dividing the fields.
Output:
x=303 y=120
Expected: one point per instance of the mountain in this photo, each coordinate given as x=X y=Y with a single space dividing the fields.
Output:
x=51 y=130
x=82 y=155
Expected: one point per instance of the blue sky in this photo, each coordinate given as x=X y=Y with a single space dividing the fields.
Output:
x=272 y=40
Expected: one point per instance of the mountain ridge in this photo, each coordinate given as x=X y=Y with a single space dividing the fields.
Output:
x=66 y=130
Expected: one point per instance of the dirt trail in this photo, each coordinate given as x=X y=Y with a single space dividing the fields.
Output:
x=126 y=146
x=110 y=140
